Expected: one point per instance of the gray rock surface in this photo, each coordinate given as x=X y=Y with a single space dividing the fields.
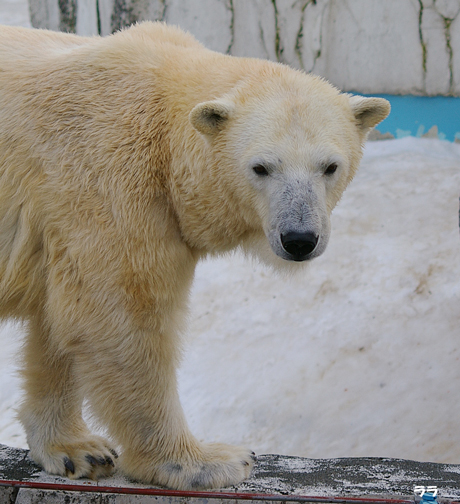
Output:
x=289 y=478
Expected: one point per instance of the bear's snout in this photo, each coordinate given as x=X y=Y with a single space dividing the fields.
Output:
x=299 y=245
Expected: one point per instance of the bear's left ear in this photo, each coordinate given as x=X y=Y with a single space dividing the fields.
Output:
x=210 y=117
x=369 y=111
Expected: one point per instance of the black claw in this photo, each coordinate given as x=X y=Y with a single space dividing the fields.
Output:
x=253 y=456
x=114 y=453
x=245 y=463
x=109 y=461
x=91 y=460
x=101 y=461
x=68 y=464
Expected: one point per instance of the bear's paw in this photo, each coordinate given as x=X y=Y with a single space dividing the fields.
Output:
x=217 y=466
x=92 y=458
x=205 y=467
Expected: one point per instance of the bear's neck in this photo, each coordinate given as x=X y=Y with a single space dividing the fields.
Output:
x=210 y=216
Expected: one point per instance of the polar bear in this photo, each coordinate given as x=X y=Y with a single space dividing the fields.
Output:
x=123 y=161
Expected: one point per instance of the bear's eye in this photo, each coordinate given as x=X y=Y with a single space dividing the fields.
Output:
x=260 y=170
x=331 y=169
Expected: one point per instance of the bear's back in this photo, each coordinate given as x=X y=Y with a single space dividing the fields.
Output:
x=24 y=45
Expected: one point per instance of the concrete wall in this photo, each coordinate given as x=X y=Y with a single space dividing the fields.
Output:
x=370 y=46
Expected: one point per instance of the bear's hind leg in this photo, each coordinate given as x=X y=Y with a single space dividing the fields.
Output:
x=58 y=438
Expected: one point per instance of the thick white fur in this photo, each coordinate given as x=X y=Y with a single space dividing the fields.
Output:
x=111 y=190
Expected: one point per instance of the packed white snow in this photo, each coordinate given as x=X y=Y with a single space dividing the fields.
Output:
x=357 y=355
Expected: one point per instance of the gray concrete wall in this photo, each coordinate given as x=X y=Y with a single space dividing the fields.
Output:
x=370 y=46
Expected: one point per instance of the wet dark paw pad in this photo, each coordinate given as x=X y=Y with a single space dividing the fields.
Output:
x=201 y=480
x=173 y=468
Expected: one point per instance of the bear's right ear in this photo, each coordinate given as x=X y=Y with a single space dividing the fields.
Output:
x=210 y=117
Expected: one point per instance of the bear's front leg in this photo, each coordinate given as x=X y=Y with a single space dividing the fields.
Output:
x=58 y=438
x=131 y=382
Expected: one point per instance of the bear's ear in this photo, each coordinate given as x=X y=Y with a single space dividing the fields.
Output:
x=369 y=111
x=210 y=117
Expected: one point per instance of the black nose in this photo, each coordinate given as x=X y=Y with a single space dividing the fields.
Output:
x=299 y=245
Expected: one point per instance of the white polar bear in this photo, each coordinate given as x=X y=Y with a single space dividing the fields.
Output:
x=123 y=161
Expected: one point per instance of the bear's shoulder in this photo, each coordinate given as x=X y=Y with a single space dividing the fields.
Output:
x=161 y=33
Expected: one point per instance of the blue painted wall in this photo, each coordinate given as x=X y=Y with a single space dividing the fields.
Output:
x=415 y=115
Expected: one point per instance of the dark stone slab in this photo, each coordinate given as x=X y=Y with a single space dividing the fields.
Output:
x=352 y=476
x=286 y=477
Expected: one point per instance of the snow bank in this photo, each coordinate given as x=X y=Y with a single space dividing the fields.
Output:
x=358 y=355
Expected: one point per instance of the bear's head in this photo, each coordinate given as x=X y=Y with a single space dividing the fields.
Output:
x=288 y=144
